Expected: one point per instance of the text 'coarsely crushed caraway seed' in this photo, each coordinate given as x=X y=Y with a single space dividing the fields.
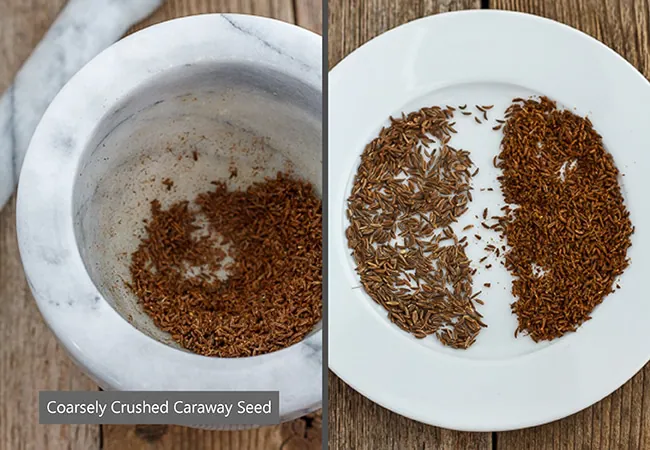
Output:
x=567 y=228
x=266 y=239
x=405 y=196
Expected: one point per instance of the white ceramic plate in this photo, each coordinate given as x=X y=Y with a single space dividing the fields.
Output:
x=487 y=57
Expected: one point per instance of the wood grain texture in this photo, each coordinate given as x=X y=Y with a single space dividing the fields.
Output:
x=357 y=423
x=30 y=359
x=354 y=22
x=301 y=434
x=620 y=421
x=277 y=9
x=622 y=25
x=309 y=14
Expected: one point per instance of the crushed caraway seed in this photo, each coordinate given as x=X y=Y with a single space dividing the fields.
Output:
x=568 y=230
x=271 y=297
x=405 y=196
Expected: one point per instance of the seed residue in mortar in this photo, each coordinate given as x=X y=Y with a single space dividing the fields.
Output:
x=568 y=229
x=271 y=297
x=405 y=196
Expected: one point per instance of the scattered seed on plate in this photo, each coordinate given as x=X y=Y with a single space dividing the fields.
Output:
x=404 y=198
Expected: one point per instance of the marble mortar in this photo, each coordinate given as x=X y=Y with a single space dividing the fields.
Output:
x=240 y=91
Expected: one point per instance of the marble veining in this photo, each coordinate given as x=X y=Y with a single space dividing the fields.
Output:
x=82 y=30
x=51 y=196
x=252 y=34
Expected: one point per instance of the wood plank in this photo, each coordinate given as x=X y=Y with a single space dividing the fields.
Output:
x=301 y=434
x=309 y=14
x=277 y=9
x=620 y=24
x=357 y=423
x=352 y=22
x=354 y=421
x=30 y=359
x=621 y=420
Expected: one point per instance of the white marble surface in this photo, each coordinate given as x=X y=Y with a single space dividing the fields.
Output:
x=103 y=98
x=82 y=30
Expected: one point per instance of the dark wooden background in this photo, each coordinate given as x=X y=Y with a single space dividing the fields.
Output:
x=30 y=358
x=620 y=421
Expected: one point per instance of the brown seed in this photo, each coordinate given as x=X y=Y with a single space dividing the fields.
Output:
x=272 y=296
x=426 y=191
x=544 y=231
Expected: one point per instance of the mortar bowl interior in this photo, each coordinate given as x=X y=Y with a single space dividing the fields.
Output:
x=191 y=125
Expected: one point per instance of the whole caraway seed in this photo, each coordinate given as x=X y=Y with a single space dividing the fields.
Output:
x=568 y=230
x=405 y=196
x=271 y=297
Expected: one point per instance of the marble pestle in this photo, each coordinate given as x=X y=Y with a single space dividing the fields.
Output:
x=81 y=31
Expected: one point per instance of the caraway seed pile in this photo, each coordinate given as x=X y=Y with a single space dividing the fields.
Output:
x=271 y=297
x=567 y=229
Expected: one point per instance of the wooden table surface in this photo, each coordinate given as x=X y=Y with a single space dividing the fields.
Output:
x=30 y=358
x=620 y=421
